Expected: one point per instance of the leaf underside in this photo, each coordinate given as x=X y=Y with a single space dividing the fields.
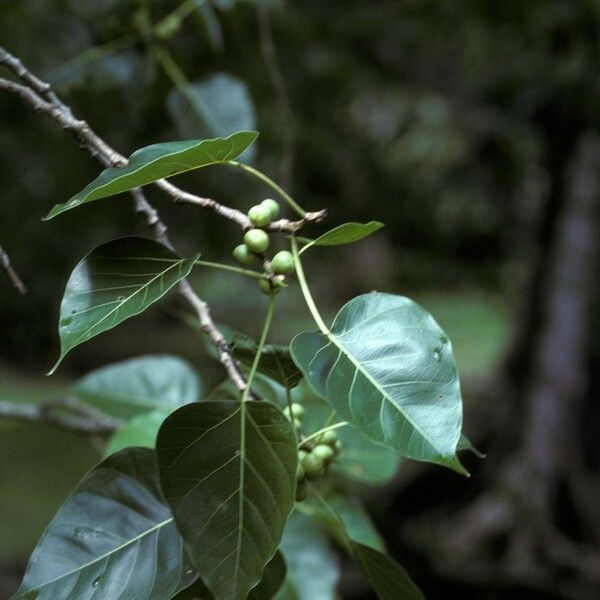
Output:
x=347 y=233
x=114 y=282
x=159 y=161
x=138 y=385
x=114 y=537
x=228 y=471
x=387 y=367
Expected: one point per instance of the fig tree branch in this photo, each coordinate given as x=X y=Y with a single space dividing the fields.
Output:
x=41 y=97
x=65 y=413
x=10 y=272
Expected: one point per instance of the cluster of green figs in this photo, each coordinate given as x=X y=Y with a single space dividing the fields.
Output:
x=315 y=455
x=256 y=242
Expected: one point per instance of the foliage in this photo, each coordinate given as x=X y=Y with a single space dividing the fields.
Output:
x=217 y=480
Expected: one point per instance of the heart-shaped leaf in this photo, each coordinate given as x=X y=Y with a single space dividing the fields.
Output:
x=273 y=578
x=114 y=537
x=275 y=361
x=140 y=431
x=228 y=471
x=387 y=367
x=158 y=161
x=313 y=571
x=346 y=233
x=142 y=384
x=114 y=282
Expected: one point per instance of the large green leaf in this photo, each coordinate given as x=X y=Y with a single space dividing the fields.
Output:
x=142 y=384
x=140 y=431
x=273 y=578
x=347 y=233
x=387 y=367
x=313 y=571
x=114 y=282
x=275 y=360
x=389 y=580
x=114 y=537
x=228 y=471
x=158 y=161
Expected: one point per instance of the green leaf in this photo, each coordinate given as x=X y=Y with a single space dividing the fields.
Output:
x=138 y=385
x=387 y=367
x=140 y=431
x=217 y=106
x=389 y=580
x=114 y=537
x=159 y=161
x=361 y=459
x=114 y=282
x=352 y=520
x=313 y=571
x=275 y=362
x=273 y=578
x=346 y=234
x=228 y=471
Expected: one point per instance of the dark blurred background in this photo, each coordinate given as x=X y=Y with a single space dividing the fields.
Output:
x=470 y=128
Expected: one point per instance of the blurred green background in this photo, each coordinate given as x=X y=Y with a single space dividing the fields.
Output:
x=451 y=122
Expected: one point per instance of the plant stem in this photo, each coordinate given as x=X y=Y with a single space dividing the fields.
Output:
x=230 y=268
x=316 y=434
x=268 y=181
x=306 y=291
x=259 y=349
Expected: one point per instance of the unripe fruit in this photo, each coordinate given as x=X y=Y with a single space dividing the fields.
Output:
x=297 y=423
x=259 y=215
x=297 y=410
x=301 y=455
x=301 y=491
x=324 y=453
x=337 y=448
x=256 y=240
x=266 y=288
x=328 y=437
x=283 y=262
x=313 y=466
x=300 y=472
x=243 y=255
x=272 y=206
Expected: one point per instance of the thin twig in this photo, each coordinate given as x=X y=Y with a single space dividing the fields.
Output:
x=40 y=95
x=12 y=274
x=65 y=413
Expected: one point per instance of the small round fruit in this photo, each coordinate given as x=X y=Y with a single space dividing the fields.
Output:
x=297 y=423
x=297 y=410
x=337 y=447
x=313 y=466
x=243 y=255
x=272 y=206
x=259 y=215
x=300 y=472
x=324 y=452
x=266 y=288
x=256 y=240
x=301 y=491
x=328 y=437
x=283 y=262
x=301 y=455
